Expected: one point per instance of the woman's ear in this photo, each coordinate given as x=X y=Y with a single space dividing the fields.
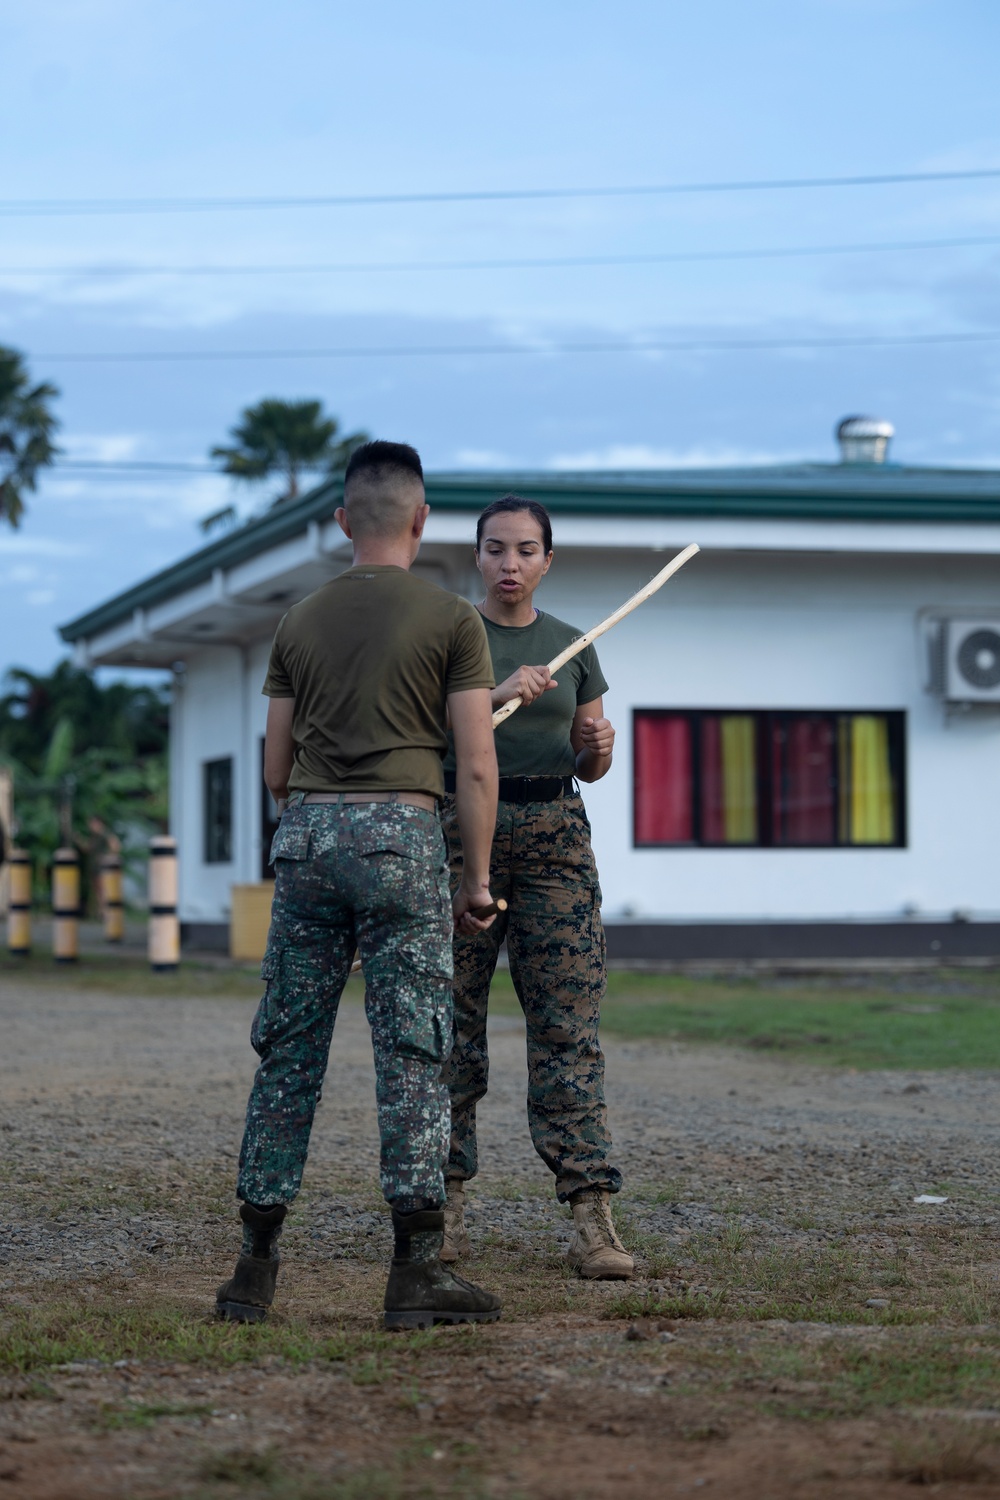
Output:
x=548 y=563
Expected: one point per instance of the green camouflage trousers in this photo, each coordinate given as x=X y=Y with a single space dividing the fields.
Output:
x=371 y=876
x=543 y=865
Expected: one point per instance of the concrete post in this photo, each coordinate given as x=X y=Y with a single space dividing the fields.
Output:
x=164 y=927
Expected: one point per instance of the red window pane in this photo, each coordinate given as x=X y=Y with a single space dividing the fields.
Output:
x=803 y=757
x=663 y=766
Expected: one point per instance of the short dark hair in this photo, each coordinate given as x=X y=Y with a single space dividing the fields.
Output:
x=380 y=455
x=510 y=505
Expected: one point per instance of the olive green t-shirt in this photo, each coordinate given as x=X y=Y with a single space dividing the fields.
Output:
x=535 y=740
x=370 y=659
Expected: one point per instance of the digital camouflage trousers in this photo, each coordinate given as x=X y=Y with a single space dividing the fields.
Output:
x=543 y=865
x=371 y=876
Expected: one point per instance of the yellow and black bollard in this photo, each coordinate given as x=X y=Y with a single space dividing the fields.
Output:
x=112 y=904
x=164 y=927
x=19 y=910
x=66 y=906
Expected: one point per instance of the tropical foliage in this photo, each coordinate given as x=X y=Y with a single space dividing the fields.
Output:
x=27 y=428
x=283 y=438
x=89 y=766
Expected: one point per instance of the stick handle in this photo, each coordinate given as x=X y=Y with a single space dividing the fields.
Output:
x=493 y=910
x=582 y=642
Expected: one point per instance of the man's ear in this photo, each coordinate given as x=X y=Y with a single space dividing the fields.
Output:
x=340 y=516
x=419 y=521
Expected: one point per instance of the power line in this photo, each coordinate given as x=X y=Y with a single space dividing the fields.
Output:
x=129 y=465
x=525 y=263
x=630 y=346
x=155 y=466
x=14 y=207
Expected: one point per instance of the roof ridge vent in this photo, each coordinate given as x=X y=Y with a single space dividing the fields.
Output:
x=864 y=440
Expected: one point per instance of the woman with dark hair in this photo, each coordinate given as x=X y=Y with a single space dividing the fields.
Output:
x=543 y=865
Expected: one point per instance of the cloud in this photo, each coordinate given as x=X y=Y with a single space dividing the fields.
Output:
x=41 y=546
x=480 y=458
x=102 y=447
x=158 y=503
x=40 y=596
x=646 y=456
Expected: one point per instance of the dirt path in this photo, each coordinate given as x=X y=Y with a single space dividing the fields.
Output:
x=120 y=1120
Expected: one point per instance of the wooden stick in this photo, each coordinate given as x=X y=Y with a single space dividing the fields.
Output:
x=480 y=912
x=583 y=641
x=573 y=649
x=493 y=910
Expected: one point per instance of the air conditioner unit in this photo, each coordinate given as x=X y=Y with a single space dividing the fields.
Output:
x=972 y=661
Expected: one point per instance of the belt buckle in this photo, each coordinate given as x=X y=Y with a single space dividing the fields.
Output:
x=523 y=790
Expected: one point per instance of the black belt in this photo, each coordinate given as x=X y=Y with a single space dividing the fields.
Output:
x=525 y=788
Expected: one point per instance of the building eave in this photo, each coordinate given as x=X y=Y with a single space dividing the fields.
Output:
x=811 y=493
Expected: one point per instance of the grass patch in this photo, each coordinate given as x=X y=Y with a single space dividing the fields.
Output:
x=737 y=1278
x=950 y=1019
x=834 y=1377
x=132 y=976
x=142 y=1414
x=420 y=1471
x=953 y=1453
x=39 y=1338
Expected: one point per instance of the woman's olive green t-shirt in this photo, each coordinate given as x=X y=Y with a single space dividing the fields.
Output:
x=535 y=740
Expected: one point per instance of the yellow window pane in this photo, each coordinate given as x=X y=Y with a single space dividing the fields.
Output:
x=739 y=779
x=871 y=790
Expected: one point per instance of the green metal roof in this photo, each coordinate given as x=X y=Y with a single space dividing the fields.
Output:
x=800 y=492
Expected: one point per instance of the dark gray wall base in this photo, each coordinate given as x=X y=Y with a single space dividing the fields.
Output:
x=205 y=937
x=772 y=942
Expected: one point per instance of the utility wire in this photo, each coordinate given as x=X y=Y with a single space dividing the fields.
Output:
x=629 y=346
x=14 y=207
x=131 y=465
x=526 y=263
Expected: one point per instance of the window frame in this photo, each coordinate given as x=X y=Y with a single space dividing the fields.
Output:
x=764 y=720
x=209 y=768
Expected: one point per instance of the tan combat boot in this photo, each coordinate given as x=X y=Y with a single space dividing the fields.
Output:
x=595 y=1251
x=456 y=1240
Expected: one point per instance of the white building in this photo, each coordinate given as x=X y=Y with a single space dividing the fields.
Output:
x=808 y=716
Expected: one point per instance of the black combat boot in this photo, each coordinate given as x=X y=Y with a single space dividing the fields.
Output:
x=421 y=1291
x=249 y=1292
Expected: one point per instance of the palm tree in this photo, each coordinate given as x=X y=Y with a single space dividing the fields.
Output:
x=282 y=437
x=27 y=425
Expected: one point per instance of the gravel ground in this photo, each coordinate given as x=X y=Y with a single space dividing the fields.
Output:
x=120 y=1122
x=115 y=1109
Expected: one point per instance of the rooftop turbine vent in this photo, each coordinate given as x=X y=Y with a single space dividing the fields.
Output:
x=864 y=440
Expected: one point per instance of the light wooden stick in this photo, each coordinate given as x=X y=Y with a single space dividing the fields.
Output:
x=583 y=641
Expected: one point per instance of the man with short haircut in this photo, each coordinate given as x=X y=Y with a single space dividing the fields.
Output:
x=363 y=676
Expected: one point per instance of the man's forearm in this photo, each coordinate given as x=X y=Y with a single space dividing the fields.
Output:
x=476 y=805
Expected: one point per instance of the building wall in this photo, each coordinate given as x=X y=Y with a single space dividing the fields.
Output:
x=218 y=712
x=809 y=632
x=732 y=631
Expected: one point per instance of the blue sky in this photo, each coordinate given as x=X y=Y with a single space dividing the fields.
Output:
x=134 y=100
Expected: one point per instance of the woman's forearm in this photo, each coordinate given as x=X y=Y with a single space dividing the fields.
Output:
x=590 y=766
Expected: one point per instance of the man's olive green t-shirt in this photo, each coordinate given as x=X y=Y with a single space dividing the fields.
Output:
x=370 y=659
x=535 y=740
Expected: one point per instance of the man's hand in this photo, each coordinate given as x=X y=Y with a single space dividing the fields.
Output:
x=598 y=736
x=464 y=901
x=527 y=683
